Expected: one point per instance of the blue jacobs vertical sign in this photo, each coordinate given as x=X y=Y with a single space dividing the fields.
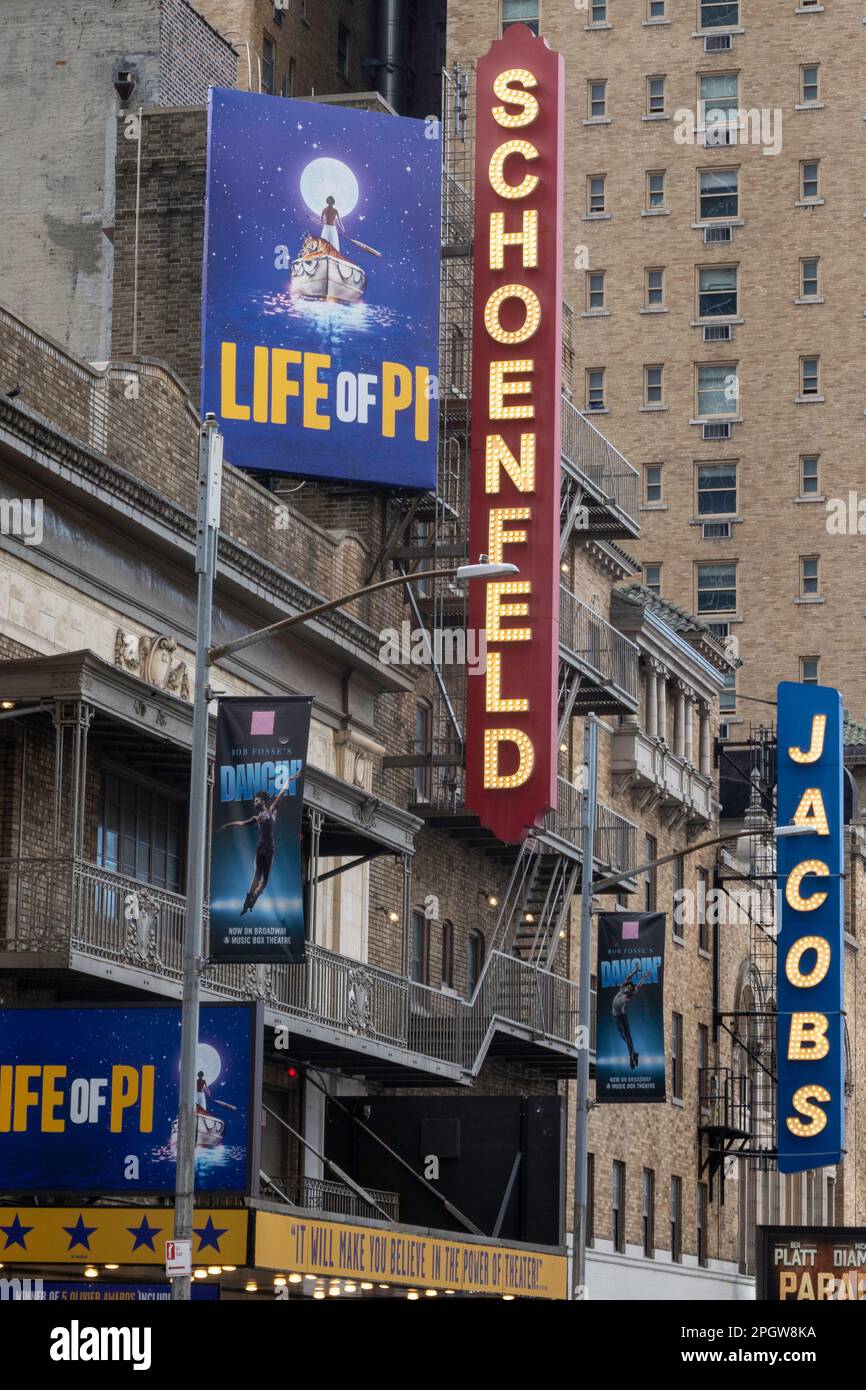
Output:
x=810 y=1047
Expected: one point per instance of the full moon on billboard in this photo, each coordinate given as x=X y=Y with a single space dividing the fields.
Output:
x=329 y=178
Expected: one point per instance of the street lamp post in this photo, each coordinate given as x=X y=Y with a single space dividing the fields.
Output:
x=207 y=536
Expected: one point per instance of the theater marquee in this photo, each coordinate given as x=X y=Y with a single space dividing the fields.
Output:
x=810 y=1043
x=517 y=355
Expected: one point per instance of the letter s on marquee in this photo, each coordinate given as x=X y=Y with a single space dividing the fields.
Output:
x=515 y=97
x=803 y=1100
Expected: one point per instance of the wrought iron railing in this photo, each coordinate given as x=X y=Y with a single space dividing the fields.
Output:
x=609 y=656
x=587 y=451
x=725 y=1098
x=81 y=911
x=615 y=840
x=320 y=1194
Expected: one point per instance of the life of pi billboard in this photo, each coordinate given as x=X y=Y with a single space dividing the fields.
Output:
x=320 y=314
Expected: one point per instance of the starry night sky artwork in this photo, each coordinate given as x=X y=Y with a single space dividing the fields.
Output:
x=98 y=1120
x=280 y=278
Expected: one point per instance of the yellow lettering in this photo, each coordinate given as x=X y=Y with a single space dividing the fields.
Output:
x=422 y=404
x=52 y=1096
x=807 y=1040
x=494 y=780
x=493 y=307
x=498 y=181
x=6 y=1073
x=261 y=356
x=527 y=238
x=499 y=388
x=816 y=746
x=497 y=609
x=811 y=812
x=498 y=455
x=229 y=408
x=124 y=1093
x=515 y=96
x=281 y=385
x=497 y=535
x=25 y=1096
x=803 y=1101
x=795 y=878
x=396 y=395
x=495 y=703
x=795 y=976
x=147 y=1087
x=315 y=391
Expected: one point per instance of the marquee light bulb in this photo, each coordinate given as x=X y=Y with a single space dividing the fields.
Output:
x=795 y=976
x=493 y=779
x=811 y=812
x=494 y=702
x=498 y=182
x=816 y=745
x=795 y=878
x=802 y=1100
x=527 y=237
x=807 y=1038
x=500 y=388
x=496 y=610
x=498 y=537
x=510 y=336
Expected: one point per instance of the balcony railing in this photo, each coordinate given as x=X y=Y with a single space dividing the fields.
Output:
x=75 y=912
x=610 y=475
x=654 y=765
x=320 y=1194
x=609 y=658
x=615 y=840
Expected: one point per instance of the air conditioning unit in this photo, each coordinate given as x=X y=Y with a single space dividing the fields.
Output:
x=718 y=135
x=716 y=530
x=713 y=235
x=718 y=332
x=281 y=4
x=716 y=429
x=718 y=43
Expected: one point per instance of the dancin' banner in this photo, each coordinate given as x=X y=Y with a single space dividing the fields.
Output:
x=256 y=884
x=320 y=312
x=630 y=1018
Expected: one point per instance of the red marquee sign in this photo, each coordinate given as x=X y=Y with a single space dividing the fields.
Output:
x=517 y=378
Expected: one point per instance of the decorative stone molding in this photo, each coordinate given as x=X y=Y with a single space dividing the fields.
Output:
x=153 y=660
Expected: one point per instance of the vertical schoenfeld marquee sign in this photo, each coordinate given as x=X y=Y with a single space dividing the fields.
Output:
x=810 y=1046
x=517 y=380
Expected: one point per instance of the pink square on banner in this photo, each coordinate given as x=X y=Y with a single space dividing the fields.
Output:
x=630 y=931
x=263 y=721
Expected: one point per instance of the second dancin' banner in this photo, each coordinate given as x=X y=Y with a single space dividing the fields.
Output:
x=630 y=1021
x=256 y=881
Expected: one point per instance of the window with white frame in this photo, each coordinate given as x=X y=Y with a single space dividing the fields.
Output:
x=598 y=12
x=810 y=467
x=810 y=84
x=596 y=190
x=717 y=587
x=718 y=193
x=717 y=489
x=595 y=291
x=719 y=14
x=718 y=390
x=652 y=484
x=655 y=96
x=810 y=383
x=717 y=291
x=718 y=100
x=655 y=287
x=810 y=180
x=809 y=277
x=653 y=385
x=596 y=93
x=595 y=388
x=656 y=9
x=520 y=12
x=810 y=670
x=809 y=576
x=652 y=578
x=655 y=189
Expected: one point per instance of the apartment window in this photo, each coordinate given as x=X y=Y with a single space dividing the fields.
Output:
x=652 y=484
x=653 y=385
x=141 y=833
x=655 y=189
x=590 y=1199
x=617 y=1203
x=650 y=884
x=717 y=489
x=809 y=278
x=702 y=1232
x=597 y=99
x=702 y=899
x=810 y=670
x=649 y=1213
x=809 y=84
x=520 y=12
x=652 y=578
x=423 y=723
x=595 y=290
x=342 y=51
x=655 y=288
x=717 y=291
x=718 y=98
x=598 y=13
x=676 y=1220
x=717 y=389
x=809 y=376
x=448 y=954
x=719 y=14
x=595 y=388
x=717 y=587
x=809 y=475
x=268 y=71
x=419 y=947
x=595 y=191
x=656 y=9
x=703 y=1061
x=718 y=193
x=810 y=183
x=278 y=15
x=474 y=960
x=678 y=869
x=677 y=1056
x=655 y=96
x=809 y=577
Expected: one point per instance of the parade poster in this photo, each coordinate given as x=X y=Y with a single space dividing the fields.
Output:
x=630 y=1021
x=256 y=883
x=811 y=1264
x=88 y=1103
x=320 y=295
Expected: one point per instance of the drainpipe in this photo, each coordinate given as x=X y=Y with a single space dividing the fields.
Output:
x=390 y=45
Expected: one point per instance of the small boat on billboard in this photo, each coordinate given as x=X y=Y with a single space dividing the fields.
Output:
x=208 y=1132
x=321 y=272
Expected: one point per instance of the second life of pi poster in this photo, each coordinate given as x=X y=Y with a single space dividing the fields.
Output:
x=256 y=879
x=630 y=1019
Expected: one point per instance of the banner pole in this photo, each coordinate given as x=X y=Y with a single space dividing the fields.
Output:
x=207 y=536
x=581 y=1095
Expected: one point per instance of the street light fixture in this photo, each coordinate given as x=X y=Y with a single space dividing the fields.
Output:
x=206 y=655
